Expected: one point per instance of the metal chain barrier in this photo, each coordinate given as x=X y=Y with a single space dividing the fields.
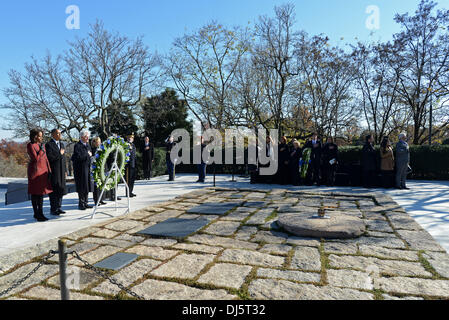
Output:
x=50 y=255
x=104 y=275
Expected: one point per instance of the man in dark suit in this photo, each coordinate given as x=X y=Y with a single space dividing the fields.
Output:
x=81 y=169
x=131 y=166
x=56 y=156
x=148 y=158
x=315 y=157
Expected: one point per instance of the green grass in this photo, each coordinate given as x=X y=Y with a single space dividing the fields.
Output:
x=427 y=266
x=272 y=216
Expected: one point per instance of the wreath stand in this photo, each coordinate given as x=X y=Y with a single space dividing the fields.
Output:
x=116 y=169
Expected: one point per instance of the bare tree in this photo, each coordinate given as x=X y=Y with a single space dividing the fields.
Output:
x=98 y=71
x=420 y=62
x=378 y=86
x=273 y=57
x=249 y=91
x=328 y=76
x=203 y=65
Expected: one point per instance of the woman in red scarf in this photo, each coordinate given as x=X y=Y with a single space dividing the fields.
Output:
x=38 y=173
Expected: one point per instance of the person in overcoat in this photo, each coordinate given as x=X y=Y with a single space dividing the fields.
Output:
x=314 y=172
x=56 y=156
x=284 y=161
x=386 y=163
x=402 y=161
x=369 y=162
x=81 y=159
x=330 y=162
x=38 y=172
x=295 y=157
x=148 y=158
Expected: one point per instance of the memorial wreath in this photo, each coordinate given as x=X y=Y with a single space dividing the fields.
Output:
x=101 y=165
x=304 y=162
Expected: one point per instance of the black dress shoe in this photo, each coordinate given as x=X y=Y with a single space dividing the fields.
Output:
x=102 y=203
x=41 y=218
x=81 y=208
x=88 y=206
x=55 y=213
x=118 y=199
x=61 y=211
x=133 y=195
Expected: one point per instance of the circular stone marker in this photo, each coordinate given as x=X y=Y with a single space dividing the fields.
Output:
x=339 y=226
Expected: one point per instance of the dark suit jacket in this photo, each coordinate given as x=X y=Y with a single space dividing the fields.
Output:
x=82 y=168
x=148 y=156
x=58 y=165
x=369 y=158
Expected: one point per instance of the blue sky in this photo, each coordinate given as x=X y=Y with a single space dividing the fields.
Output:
x=30 y=28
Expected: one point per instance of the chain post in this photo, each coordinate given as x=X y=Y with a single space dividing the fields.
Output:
x=65 y=295
x=214 y=174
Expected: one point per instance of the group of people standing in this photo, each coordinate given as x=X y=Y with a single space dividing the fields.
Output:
x=322 y=165
x=393 y=169
x=323 y=162
x=47 y=171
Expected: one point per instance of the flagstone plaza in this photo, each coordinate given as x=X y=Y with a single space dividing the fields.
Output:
x=240 y=252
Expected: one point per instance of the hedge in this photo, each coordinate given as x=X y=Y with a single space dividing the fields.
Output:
x=427 y=162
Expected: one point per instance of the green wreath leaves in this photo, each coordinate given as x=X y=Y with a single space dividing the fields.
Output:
x=305 y=161
x=100 y=167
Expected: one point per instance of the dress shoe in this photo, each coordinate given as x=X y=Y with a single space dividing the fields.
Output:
x=88 y=206
x=102 y=203
x=81 y=208
x=61 y=211
x=55 y=213
x=41 y=218
x=133 y=195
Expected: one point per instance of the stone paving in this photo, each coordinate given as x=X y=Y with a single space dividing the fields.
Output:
x=244 y=255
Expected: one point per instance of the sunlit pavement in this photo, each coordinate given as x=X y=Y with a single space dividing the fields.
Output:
x=426 y=201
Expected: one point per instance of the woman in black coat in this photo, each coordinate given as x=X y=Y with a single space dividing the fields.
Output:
x=284 y=160
x=330 y=161
x=81 y=170
x=295 y=157
x=369 y=162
